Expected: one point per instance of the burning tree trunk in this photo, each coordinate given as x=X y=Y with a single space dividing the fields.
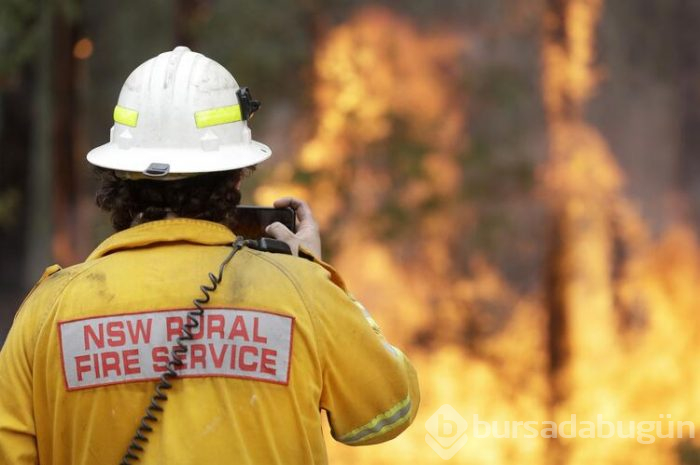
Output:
x=583 y=184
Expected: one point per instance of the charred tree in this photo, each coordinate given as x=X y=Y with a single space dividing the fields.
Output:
x=65 y=186
x=185 y=12
x=39 y=182
x=687 y=68
x=15 y=140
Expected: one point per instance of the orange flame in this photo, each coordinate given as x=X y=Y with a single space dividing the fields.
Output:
x=604 y=371
x=627 y=324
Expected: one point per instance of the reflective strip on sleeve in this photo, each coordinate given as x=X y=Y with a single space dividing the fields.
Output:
x=215 y=116
x=380 y=424
x=125 y=116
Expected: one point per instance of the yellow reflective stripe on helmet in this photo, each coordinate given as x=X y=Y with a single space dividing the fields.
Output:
x=221 y=115
x=125 y=116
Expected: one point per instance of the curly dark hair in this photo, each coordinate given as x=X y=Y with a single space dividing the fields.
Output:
x=210 y=196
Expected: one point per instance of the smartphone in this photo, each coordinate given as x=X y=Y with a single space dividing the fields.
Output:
x=251 y=221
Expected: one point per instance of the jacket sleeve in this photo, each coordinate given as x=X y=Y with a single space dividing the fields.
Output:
x=370 y=389
x=17 y=427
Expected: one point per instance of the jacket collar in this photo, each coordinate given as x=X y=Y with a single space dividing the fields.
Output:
x=171 y=230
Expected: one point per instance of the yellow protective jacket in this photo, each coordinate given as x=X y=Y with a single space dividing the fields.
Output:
x=280 y=340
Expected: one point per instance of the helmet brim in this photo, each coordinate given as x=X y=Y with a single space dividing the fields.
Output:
x=185 y=160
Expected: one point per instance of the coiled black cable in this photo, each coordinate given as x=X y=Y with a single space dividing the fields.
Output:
x=175 y=358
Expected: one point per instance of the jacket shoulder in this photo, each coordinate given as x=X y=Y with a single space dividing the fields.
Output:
x=304 y=268
x=49 y=287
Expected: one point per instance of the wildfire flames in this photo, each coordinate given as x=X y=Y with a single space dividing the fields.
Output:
x=612 y=330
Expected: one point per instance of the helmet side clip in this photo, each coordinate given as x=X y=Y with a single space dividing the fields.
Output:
x=248 y=105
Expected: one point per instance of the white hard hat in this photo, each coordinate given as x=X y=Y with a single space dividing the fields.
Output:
x=180 y=113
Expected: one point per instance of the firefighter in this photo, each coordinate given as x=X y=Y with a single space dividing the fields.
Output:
x=245 y=380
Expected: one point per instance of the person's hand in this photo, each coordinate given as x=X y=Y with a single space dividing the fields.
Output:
x=307 y=234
